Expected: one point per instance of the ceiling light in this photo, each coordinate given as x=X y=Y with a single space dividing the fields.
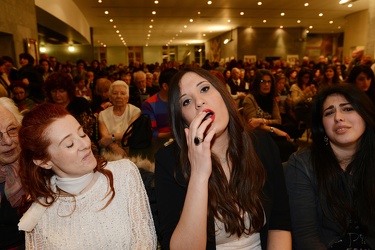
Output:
x=226 y=41
x=346 y=1
x=106 y=12
x=156 y=2
x=191 y=20
x=209 y=2
x=154 y=12
x=259 y=3
x=199 y=12
x=228 y=20
x=117 y=31
x=331 y=22
x=282 y=14
x=310 y=27
x=306 y=4
x=281 y=27
x=350 y=5
x=298 y=21
x=242 y=13
x=42 y=49
x=150 y=26
x=264 y=21
x=204 y=35
x=99 y=1
x=320 y=14
x=114 y=26
x=71 y=48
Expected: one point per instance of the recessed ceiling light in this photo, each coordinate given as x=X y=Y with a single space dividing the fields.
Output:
x=185 y=26
x=282 y=14
x=350 y=5
x=199 y=12
x=191 y=20
x=204 y=35
x=242 y=13
x=320 y=14
x=298 y=21
x=111 y=20
x=339 y=27
x=106 y=12
x=154 y=12
x=119 y=35
x=99 y=1
x=259 y=3
x=117 y=31
x=209 y=2
x=310 y=27
x=114 y=26
x=150 y=26
x=331 y=22
x=306 y=4
x=281 y=27
x=264 y=21
x=228 y=20
x=156 y=2
x=307 y=31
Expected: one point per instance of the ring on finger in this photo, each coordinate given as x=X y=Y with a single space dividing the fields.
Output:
x=197 y=140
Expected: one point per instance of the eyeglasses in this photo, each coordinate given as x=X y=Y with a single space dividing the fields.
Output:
x=265 y=81
x=11 y=132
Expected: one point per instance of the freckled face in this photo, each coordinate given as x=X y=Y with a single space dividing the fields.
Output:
x=343 y=125
x=198 y=94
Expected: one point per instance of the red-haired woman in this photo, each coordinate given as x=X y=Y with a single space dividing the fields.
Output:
x=78 y=201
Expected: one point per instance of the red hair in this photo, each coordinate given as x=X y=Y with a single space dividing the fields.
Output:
x=34 y=143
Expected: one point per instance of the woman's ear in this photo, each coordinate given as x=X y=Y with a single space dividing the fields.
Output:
x=43 y=164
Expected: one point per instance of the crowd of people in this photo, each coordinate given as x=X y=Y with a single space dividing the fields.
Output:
x=233 y=177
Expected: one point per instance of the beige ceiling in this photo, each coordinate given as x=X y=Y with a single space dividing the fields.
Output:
x=133 y=18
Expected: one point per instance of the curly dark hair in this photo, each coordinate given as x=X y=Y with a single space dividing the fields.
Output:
x=59 y=80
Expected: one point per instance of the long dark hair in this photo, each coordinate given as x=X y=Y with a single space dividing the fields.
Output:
x=265 y=102
x=361 y=168
x=228 y=201
x=369 y=73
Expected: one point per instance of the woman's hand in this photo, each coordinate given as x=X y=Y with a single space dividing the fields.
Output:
x=105 y=141
x=281 y=133
x=200 y=155
x=255 y=122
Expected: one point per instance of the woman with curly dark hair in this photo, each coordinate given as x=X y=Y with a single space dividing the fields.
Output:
x=331 y=184
x=218 y=184
x=79 y=201
x=364 y=78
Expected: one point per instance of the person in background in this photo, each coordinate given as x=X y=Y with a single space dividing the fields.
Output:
x=81 y=89
x=114 y=120
x=77 y=200
x=31 y=77
x=330 y=76
x=20 y=98
x=217 y=186
x=149 y=79
x=45 y=69
x=10 y=69
x=5 y=90
x=11 y=190
x=140 y=91
x=101 y=98
x=156 y=107
x=60 y=89
x=331 y=184
x=364 y=78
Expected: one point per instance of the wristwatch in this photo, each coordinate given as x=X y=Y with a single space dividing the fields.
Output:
x=113 y=138
x=271 y=130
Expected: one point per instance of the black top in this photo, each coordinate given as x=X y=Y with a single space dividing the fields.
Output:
x=171 y=195
x=10 y=237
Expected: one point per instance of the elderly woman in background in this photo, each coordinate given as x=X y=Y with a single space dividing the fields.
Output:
x=114 y=120
x=60 y=89
x=78 y=200
x=10 y=185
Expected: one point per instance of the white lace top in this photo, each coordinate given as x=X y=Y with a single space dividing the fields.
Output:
x=126 y=223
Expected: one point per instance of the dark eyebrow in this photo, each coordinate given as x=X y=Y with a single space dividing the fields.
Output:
x=197 y=85
x=80 y=127
x=340 y=105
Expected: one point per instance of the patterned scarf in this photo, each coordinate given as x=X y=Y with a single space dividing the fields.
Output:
x=13 y=187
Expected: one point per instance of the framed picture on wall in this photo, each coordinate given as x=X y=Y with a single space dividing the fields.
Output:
x=32 y=48
x=250 y=58
x=291 y=59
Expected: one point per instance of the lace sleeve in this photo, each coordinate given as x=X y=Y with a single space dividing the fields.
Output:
x=143 y=231
x=33 y=240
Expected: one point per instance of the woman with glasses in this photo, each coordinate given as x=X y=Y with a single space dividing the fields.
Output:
x=261 y=111
x=11 y=190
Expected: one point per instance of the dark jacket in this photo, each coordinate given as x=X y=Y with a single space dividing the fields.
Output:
x=171 y=196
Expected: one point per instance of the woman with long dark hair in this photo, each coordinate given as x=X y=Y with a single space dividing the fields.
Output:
x=218 y=185
x=364 y=78
x=331 y=184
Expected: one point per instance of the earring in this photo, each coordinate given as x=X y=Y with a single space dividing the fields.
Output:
x=326 y=140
